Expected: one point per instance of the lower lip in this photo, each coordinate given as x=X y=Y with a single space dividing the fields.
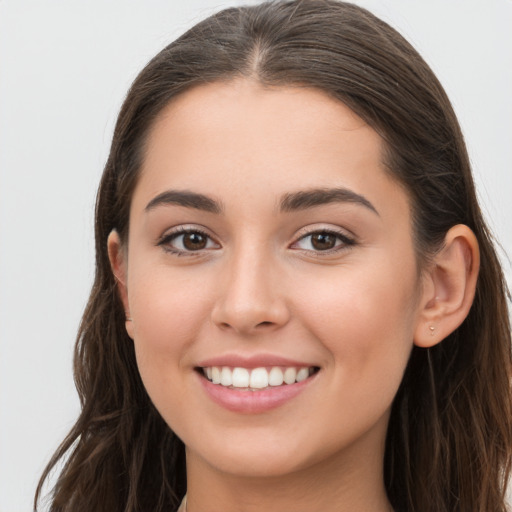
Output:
x=253 y=402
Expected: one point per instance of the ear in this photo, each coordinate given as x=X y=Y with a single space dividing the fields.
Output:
x=448 y=287
x=118 y=263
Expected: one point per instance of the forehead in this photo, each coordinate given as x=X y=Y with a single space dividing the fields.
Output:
x=240 y=136
x=242 y=108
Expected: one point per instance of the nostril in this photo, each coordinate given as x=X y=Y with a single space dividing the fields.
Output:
x=263 y=324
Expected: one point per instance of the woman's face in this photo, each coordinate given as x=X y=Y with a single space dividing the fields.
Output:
x=268 y=245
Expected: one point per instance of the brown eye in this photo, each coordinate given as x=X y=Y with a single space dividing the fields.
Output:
x=194 y=241
x=187 y=241
x=323 y=241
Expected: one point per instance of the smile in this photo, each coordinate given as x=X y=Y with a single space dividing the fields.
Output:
x=255 y=389
x=255 y=379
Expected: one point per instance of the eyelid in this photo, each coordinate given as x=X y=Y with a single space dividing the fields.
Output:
x=347 y=238
x=170 y=234
x=326 y=228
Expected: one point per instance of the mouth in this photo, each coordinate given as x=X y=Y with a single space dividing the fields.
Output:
x=256 y=379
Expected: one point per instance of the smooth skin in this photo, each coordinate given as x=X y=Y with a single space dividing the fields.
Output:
x=333 y=283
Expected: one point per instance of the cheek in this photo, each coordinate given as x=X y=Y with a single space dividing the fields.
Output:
x=365 y=318
x=168 y=313
x=168 y=308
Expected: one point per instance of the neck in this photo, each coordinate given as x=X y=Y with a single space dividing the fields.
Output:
x=346 y=482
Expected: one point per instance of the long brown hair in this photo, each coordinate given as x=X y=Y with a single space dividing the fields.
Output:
x=449 y=437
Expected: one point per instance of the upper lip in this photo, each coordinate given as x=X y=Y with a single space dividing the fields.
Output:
x=252 y=361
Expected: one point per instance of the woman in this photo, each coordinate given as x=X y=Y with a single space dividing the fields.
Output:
x=297 y=303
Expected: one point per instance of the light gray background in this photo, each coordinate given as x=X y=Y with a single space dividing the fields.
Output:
x=65 y=66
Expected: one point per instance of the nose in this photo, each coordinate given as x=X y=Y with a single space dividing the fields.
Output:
x=251 y=296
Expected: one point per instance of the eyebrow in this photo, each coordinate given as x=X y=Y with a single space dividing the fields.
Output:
x=305 y=199
x=301 y=200
x=187 y=199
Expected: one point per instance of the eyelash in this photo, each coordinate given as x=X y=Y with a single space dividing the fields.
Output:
x=346 y=241
x=166 y=241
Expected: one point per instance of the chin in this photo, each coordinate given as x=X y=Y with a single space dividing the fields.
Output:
x=253 y=458
x=258 y=465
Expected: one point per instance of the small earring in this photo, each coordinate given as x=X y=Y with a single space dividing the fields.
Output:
x=128 y=319
x=432 y=329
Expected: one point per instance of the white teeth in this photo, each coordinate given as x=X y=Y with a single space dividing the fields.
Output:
x=257 y=378
x=302 y=374
x=240 y=378
x=289 y=375
x=226 y=378
x=215 y=375
x=275 y=377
